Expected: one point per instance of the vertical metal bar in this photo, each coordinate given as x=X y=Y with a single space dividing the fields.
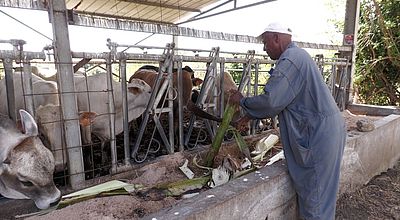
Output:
x=244 y=81
x=160 y=92
x=125 y=108
x=111 y=112
x=180 y=104
x=256 y=66
x=7 y=63
x=222 y=89
x=209 y=80
x=171 y=105
x=27 y=84
x=333 y=79
x=149 y=107
x=62 y=55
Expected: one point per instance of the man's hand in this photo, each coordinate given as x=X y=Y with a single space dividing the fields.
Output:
x=242 y=123
x=234 y=97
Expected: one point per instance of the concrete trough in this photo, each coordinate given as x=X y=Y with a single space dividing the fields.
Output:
x=269 y=194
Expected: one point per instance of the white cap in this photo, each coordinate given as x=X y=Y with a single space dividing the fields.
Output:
x=277 y=27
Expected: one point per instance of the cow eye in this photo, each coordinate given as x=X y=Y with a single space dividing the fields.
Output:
x=27 y=183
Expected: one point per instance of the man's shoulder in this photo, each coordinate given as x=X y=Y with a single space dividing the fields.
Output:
x=296 y=54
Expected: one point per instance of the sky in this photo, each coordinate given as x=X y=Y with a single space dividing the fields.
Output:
x=308 y=19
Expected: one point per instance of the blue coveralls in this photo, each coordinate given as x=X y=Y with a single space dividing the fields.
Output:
x=311 y=126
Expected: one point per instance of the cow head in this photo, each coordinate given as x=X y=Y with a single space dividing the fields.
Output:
x=26 y=165
x=50 y=125
x=138 y=97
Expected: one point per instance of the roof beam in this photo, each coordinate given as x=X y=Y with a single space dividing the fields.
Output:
x=142 y=2
x=108 y=16
x=169 y=29
x=195 y=18
x=27 y=4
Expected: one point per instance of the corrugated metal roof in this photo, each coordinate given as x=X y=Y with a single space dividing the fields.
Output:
x=143 y=16
x=158 y=11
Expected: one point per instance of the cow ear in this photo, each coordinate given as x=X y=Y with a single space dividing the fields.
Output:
x=134 y=90
x=29 y=126
x=197 y=81
x=136 y=86
x=87 y=118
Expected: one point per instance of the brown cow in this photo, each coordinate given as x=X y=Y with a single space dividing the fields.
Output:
x=149 y=74
x=229 y=84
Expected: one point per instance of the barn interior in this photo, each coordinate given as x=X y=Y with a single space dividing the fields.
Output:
x=165 y=126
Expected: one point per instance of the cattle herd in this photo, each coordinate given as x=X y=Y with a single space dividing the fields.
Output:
x=28 y=162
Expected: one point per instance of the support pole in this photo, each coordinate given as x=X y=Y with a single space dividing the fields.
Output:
x=125 y=109
x=28 y=90
x=63 y=60
x=7 y=63
x=111 y=112
x=350 y=39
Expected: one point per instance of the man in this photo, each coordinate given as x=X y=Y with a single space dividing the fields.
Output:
x=311 y=126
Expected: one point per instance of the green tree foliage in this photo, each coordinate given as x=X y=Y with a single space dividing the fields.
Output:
x=236 y=71
x=378 y=58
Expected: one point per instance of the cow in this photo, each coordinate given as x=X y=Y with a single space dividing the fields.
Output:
x=229 y=84
x=44 y=92
x=51 y=127
x=92 y=96
x=26 y=165
x=48 y=111
x=149 y=74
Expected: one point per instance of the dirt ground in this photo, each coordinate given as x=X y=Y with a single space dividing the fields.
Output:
x=379 y=199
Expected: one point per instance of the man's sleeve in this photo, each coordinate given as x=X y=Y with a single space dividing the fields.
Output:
x=282 y=87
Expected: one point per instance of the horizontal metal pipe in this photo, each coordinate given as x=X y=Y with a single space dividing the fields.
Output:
x=26 y=55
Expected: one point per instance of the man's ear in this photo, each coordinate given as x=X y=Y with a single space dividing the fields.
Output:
x=276 y=38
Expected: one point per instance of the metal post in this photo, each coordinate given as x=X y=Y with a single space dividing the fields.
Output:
x=7 y=63
x=111 y=112
x=125 y=108
x=158 y=91
x=207 y=86
x=63 y=59
x=170 y=105
x=350 y=31
x=255 y=93
x=27 y=84
x=221 y=92
x=180 y=98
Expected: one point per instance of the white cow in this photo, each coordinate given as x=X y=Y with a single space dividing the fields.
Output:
x=26 y=165
x=48 y=109
x=50 y=125
x=45 y=92
x=92 y=96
